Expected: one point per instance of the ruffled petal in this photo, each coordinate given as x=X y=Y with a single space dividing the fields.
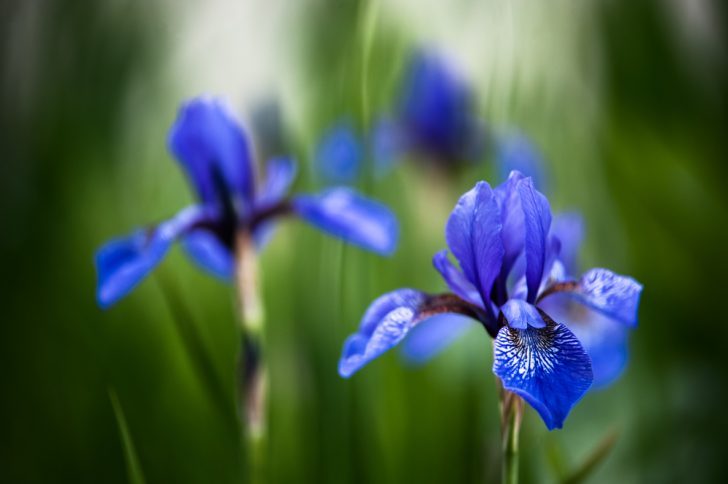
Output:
x=604 y=339
x=427 y=339
x=383 y=326
x=213 y=148
x=122 y=263
x=339 y=155
x=279 y=175
x=345 y=214
x=537 y=220
x=612 y=294
x=389 y=319
x=473 y=233
x=547 y=367
x=205 y=248
x=521 y=315
x=455 y=279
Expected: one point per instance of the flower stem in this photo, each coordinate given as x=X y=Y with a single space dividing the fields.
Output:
x=252 y=370
x=511 y=414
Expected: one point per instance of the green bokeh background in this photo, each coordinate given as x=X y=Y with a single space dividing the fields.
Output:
x=630 y=116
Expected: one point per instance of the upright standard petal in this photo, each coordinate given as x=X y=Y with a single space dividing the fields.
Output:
x=122 y=263
x=207 y=251
x=390 y=318
x=612 y=294
x=279 y=175
x=212 y=147
x=345 y=214
x=339 y=155
x=512 y=233
x=537 y=220
x=547 y=367
x=473 y=233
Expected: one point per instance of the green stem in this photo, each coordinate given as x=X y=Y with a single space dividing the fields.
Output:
x=511 y=414
x=253 y=372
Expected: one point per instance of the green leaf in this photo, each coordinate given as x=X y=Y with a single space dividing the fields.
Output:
x=132 y=460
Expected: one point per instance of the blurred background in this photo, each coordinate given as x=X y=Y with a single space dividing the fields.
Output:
x=625 y=101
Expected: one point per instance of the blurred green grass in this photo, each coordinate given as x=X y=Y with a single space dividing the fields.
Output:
x=633 y=134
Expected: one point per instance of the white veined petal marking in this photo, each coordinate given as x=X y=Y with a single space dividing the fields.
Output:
x=525 y=353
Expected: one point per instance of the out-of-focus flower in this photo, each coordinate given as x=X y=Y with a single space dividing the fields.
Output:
x=515 y=152
x=339 y=154
x=213 y=149
x=509 y=266
x=434 y=118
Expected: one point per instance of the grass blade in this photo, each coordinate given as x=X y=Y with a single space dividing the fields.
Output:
x=130 y=456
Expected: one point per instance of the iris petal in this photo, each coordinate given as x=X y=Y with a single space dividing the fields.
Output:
x=428 y=338
x=537 y=220
x=473 y=233
x=386 y=323
x=615 y=295
x=345 y=214
x=455 y=279
x=208 y=252
x=392 y=316
x=521 y=315
x=122 y=263
x=513 y=231
x=211 y=144
x=280 y=173
x=436 y=108
x=547 y=367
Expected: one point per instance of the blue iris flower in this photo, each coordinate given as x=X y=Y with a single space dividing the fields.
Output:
x=214 y=151
x=603 y=338
x=339 y=154
x=515 y=152
x=509 y=267
x=435 y=117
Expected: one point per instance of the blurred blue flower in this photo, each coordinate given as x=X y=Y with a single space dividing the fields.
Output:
x=515 y=152
x=213 y=149
x=435 y=117
x=509 y=265
x=339 y=154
